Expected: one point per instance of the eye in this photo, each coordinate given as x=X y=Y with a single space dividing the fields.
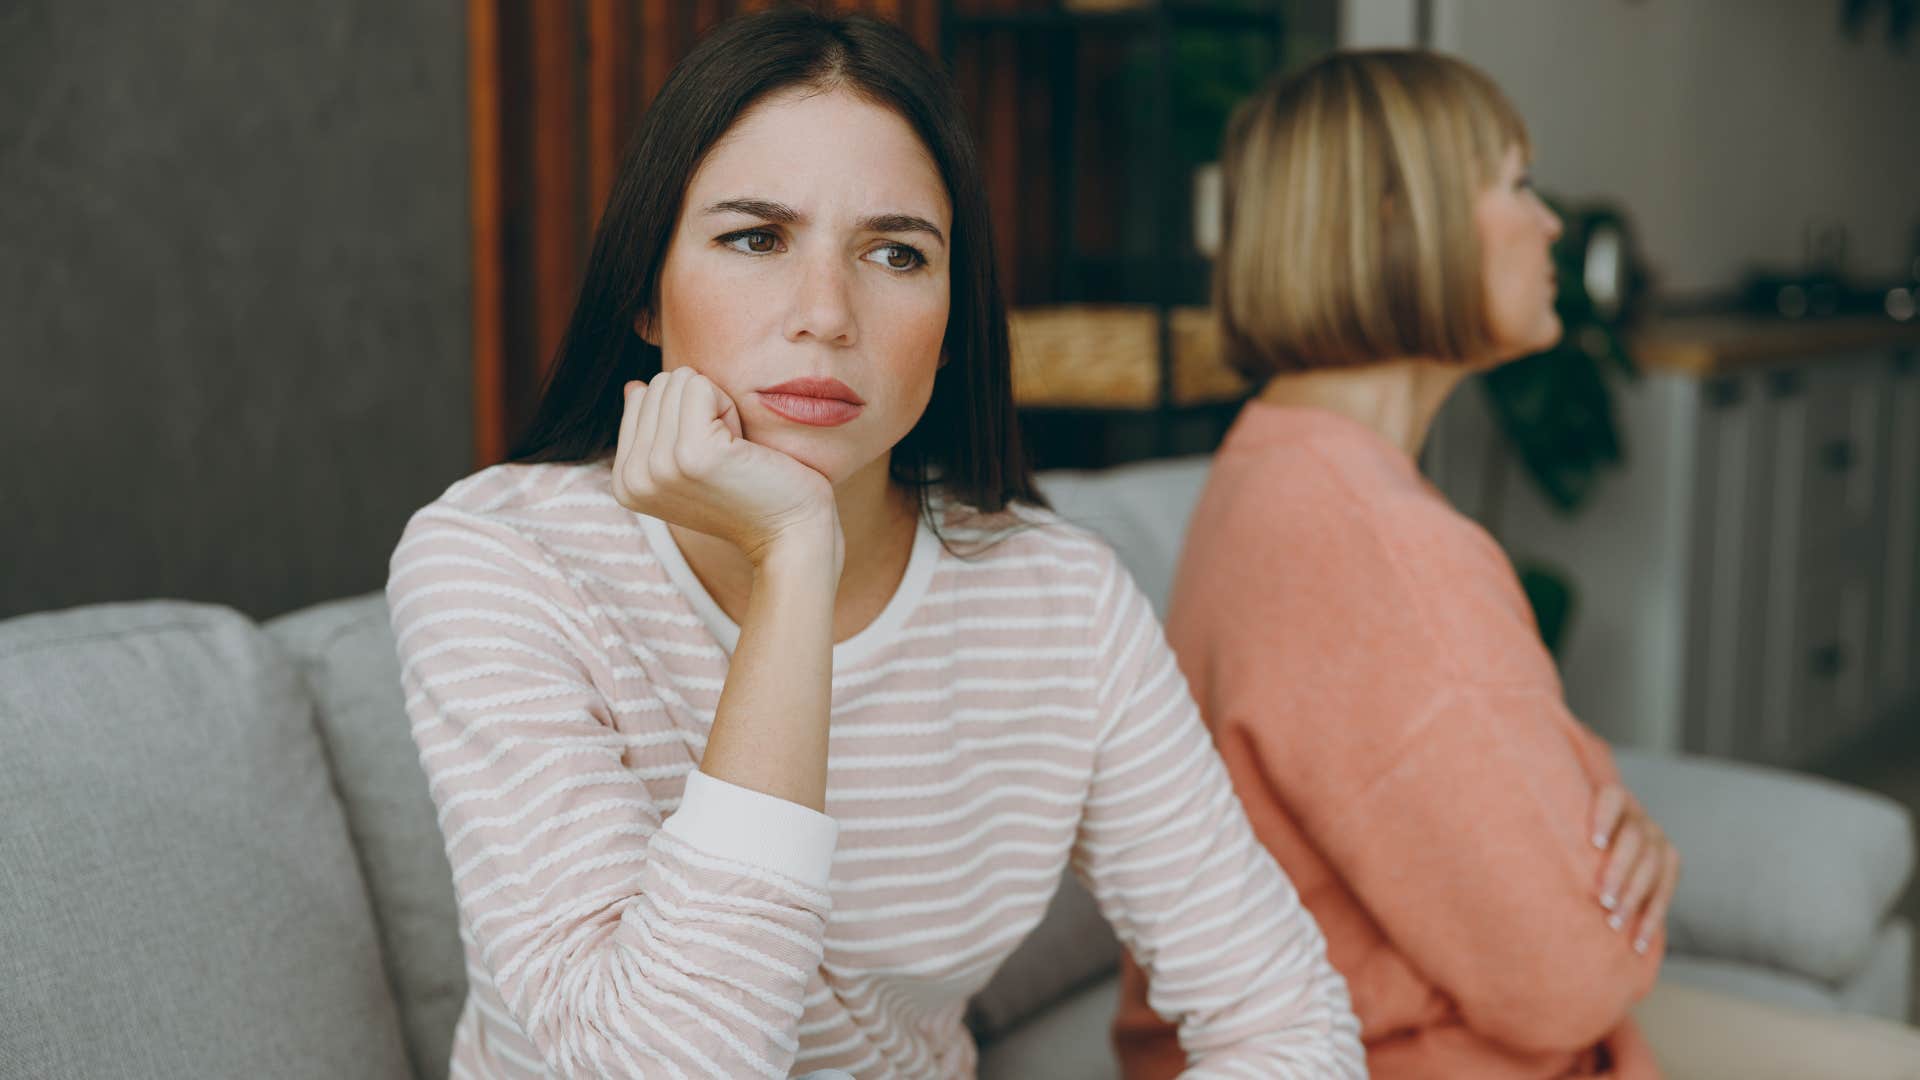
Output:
x=756 y=241
x=1525 y=183
x=900 y=257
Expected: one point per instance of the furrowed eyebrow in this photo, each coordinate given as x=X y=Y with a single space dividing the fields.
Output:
x=760 y=208
x=901 y=223
x=780 y=213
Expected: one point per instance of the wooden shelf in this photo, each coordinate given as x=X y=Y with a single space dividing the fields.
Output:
x=1107 y=356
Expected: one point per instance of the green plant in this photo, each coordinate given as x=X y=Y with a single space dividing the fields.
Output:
x=1212 y=73
x=1551 y=594
x=1209 y=73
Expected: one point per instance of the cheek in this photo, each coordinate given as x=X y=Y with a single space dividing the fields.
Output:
x=912 y=350
x=1520 y=294
x=1519 y=266
x=703 y=322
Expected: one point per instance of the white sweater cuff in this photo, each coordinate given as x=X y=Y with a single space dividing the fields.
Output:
x=753 y=827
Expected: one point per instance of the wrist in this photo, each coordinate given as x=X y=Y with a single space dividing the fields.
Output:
x=807 y=546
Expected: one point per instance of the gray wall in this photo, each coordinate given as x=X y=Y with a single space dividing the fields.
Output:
x=233 y=294
x=1724 y=127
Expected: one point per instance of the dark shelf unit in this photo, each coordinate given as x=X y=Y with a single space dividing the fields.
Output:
x=1201 y=15
x=1172 y=273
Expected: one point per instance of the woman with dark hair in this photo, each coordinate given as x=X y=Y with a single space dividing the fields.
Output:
x=762 y=701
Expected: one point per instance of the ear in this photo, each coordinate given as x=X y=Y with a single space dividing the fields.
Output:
x=643 y=325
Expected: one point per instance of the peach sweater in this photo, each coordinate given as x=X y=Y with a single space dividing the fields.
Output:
x=1371 y=672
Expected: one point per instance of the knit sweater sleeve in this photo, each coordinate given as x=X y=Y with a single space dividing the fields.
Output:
x=1446 y=782
x=1468 y=841
x=1165 y=848
x=623 y=939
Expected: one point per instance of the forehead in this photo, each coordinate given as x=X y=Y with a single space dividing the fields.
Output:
x=822 y=151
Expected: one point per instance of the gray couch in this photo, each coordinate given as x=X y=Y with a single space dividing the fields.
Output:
x=218 y=857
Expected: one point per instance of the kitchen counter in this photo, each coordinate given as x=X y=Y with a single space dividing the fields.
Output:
x=1707 y=346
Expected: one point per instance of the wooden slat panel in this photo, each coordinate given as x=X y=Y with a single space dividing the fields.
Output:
x=486 y=213
x=657 y=50
x=999 y=125
x=706 y=15
x=609 y=56
x=557 y=155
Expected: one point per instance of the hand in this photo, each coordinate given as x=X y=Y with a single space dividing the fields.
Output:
x=1638 y=881
x=683 y=459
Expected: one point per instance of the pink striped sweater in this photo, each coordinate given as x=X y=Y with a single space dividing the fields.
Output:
x=1009 y=714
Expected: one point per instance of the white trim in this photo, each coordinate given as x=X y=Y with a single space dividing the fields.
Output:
x=883 y=630
x=749 y=826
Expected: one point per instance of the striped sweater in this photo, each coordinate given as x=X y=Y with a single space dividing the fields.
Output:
x=1008 y=715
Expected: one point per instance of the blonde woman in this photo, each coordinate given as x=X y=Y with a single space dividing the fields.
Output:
x=1364 y=654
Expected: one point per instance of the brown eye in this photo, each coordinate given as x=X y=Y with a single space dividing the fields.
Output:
x=901 y=257
x=752 y=242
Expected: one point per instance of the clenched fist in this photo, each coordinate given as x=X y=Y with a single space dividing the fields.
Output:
x=682 y=459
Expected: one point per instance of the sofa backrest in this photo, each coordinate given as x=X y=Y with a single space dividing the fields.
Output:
x=178 y=892
x=346 y=652
x=1141 y=510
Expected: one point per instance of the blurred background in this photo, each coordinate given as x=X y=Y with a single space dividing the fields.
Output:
x=274 y=274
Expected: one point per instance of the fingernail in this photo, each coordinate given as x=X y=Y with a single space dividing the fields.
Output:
x=1607 y=901
x=1600 y=841
x=1616 y=921
x=1640 y=946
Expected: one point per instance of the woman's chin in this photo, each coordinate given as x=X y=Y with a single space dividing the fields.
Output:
x=1550 y=333
x=1545 y=338
x=811 y=447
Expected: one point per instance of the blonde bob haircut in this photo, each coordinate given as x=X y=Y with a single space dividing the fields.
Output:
x=1347 y=234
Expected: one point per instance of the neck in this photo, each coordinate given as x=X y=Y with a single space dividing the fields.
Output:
x=878 y=521
x=1398 y=399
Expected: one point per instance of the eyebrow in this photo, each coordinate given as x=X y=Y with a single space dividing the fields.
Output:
x=780 y=213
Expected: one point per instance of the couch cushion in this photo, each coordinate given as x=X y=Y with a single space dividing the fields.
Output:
x=1765 y=883
x=1068 y=1041
x=1747 y=981
x=1140 y=510
x=345 y=649
x=1884 y=987
x=1071 y=949
x=178 y=895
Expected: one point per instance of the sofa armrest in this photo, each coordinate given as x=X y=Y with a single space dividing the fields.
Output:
x=1781 y=869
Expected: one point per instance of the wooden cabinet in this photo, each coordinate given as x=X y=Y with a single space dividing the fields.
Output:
x=1748 y=585
x=1810 y=520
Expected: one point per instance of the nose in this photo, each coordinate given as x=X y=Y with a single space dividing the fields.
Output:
x=822 y=308
x=1554 y=225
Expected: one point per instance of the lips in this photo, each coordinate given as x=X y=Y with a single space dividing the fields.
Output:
x=816 y=401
